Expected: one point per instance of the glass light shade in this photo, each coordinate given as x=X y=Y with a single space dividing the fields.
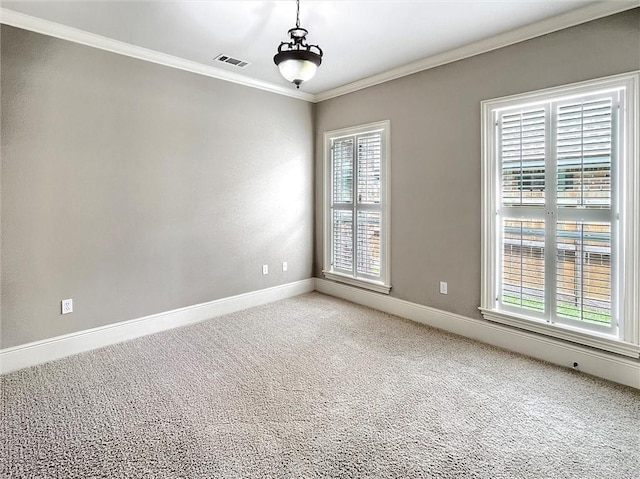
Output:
x=297 y=71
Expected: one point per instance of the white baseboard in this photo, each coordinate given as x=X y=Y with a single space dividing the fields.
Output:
x=591 y=361
x=25 y=355
x=598 y=363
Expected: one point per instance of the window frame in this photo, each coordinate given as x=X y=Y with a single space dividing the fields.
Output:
x=626 y=284
x=384 y=284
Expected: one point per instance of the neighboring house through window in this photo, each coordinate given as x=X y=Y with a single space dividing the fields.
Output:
x=561 y=213
x=356 y=205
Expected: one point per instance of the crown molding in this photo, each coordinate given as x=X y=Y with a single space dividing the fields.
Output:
x=553 y=24
x=543 y=27
x=63 y=32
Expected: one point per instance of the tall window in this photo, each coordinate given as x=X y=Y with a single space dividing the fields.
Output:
x=356 y=204
x=560 y=219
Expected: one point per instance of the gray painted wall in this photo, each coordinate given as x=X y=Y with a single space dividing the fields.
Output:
x=135 y=188
x=435 y=148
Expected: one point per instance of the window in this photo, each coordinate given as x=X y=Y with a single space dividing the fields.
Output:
x=356 y=223
x=561 y=208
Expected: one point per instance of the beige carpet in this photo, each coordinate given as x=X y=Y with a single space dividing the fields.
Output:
x=313 y=387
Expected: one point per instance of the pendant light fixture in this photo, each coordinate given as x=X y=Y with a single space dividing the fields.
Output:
x=296 y=60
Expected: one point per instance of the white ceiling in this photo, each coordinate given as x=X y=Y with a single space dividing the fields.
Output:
x=359 y=38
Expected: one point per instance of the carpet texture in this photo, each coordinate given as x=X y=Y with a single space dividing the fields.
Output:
x=313 y=386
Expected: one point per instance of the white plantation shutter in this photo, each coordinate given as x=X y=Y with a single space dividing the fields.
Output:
x=369 y=193
x=343 y=240
x=523 y=155
x=584 y=157
x=368 y=245
x=369 y=160
x=555 y=164
x=523 y=264
x=342 y=156
x=561 y=212
x=584 y=153
x=584 y=272
x=358 y=205
x=357 y=157
x=342 y=218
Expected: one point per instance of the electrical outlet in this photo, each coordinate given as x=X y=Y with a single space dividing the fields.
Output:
x=67 y=306
x=284 y=266
x=443 y=287
x=265 y=269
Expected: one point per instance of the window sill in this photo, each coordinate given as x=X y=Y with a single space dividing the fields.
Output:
x=594 y=340
x=377 y=286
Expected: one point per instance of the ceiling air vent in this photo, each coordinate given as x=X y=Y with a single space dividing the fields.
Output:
x=231 y=61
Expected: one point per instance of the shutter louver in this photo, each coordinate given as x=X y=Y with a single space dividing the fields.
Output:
x=343 y=240
x=522 y=147
x=584 y=271
x=342 y=155
x=369 y=159
x=584 y=154
x=368 y=238
x=523 y=264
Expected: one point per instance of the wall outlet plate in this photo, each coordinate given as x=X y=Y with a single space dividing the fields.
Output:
x=67 y=306
x=443 y=287
x=285 y=266
x=265 y=269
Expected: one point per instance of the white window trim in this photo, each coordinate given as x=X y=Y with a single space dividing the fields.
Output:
x=383 y=286
x=629 y=277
